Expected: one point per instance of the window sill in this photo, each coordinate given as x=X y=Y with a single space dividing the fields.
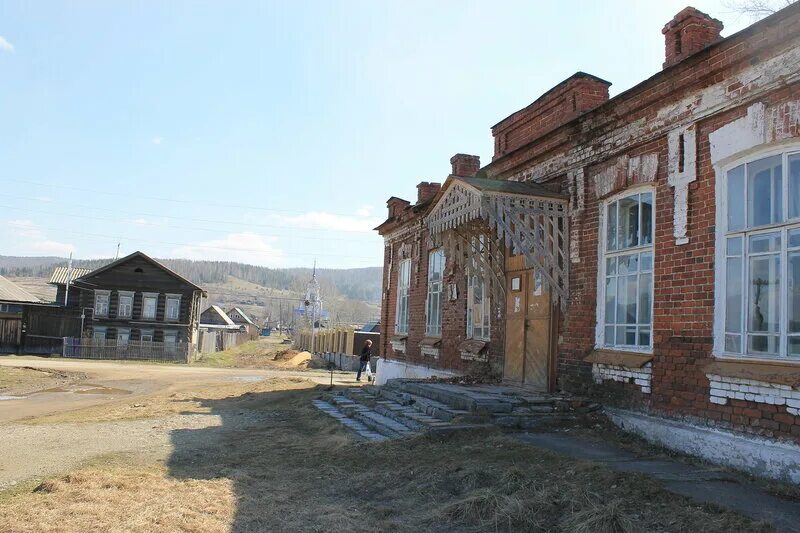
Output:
x=780 y=372
x=431 y=341
x=399 y=337
x=619 y=358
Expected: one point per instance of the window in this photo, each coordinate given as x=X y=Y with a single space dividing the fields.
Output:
x=10 y=308
x=123 y=336
x=173 y=310
x=433 y=305
x=170 y=337
x=101 y=303
x=403 y=284
x=759 y=274
x=627 y=271
x=99 y=333
x=149 y=305
x=125 y=306
x=146 y=335
x=478 y=309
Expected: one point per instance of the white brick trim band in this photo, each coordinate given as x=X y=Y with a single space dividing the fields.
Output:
x=723 y=388
x=642 y=377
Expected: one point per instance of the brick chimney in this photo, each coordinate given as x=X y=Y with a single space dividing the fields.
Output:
x=396 y=206
x=689 y=32
x=426 y=191
x=465 y=165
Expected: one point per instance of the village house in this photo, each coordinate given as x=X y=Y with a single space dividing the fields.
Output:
x=643 y=249
x=134 y=298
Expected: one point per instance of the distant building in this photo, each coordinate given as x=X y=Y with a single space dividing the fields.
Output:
x=240 y=318
x=215 y=318
x=13 y=300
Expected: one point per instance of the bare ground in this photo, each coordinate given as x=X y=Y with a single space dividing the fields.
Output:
x=263 y=459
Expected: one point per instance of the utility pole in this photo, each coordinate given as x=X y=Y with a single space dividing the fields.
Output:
x=313 y=302
x=69 y=279
x=117 y=255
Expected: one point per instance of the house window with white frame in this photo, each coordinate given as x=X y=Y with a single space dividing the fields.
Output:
x=433 y=303
x=125 y=305
x=626 y=305
x=759 y=278
x=149 y=305
x=478 y=309
x=99 y=333
x=403 y=285
x=123 y=336
x=173 y=307
x=101 y=299
x=146 y=335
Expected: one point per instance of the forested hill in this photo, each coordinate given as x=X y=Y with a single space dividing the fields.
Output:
x=354 y=283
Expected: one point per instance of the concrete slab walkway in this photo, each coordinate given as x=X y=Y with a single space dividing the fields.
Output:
x=699 y=484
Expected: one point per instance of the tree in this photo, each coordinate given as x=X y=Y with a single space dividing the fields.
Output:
x=758 y=9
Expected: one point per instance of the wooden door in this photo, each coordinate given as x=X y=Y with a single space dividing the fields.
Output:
x=529 y=335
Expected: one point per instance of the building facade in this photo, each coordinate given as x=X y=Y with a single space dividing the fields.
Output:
x=643 y=249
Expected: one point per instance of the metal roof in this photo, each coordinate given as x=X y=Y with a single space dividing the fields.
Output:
x=242 y=314
x=59 y=276
x=217 y=309
x=11 y=292
x=509 y=187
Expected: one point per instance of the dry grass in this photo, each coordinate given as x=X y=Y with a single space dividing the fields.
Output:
x=299 y=471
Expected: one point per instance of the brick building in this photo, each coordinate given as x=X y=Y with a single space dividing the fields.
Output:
x=644 y=249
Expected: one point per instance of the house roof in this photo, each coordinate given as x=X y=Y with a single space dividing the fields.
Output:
x=11 y=292
x=218 y=310
x=243 y=315
x=59 y=276
x=508 y=187
x=146 y=258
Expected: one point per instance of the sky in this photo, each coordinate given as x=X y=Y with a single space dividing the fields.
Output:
x=273 y=133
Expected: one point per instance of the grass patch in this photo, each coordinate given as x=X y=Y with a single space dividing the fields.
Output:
x=299 y=470
x=259 y=353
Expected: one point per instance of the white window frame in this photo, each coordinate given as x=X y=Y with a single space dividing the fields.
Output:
x=99 y=329
x=172 y=297
x=120 y=296
x=603 y=253
x=173 y=334
x=486 y=307
x=433 y=328
x=403 y=289
x=102 y=296
x=123 y=336
x=145 y=297
x=721 y=236
x=146 y=333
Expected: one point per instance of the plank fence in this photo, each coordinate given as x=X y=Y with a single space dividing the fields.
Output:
x=86 y=348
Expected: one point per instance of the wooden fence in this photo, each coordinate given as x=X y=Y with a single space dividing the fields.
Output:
x=132 y=350
x=220 y=340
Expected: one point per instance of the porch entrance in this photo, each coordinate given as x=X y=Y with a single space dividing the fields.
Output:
x=529 y=330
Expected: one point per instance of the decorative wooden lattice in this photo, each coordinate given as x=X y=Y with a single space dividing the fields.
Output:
x=534 y=226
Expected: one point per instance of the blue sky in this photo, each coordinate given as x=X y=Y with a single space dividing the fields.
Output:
x=273 y=132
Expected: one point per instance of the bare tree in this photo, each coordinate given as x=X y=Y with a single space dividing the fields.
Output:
x=757 y=9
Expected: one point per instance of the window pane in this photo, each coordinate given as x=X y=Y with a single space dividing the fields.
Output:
x=646 y=262
x=644 y=336
x=628 y=264
x=611 y=300
x=736 y=198
x=626 y=308
x=626 y=336
x=766 y=344
x=794 y=238
x=611 y=221
x=794 y=185
x=628 y=230
x=645 y=297
x=766 y=242
x=764 y=294
x=733 y=343
x=733 y=293
x=794 y=346
x=609 y=335
x=764 y=199
x=794 y=293
x=734 y=246
x=611 y=266
x=647 y=218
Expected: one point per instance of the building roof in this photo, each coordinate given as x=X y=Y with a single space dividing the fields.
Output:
x=242 y=314
x=218 y=310
x=508 y=187
x=11 y=292
x=146 y=258
x=59 y=276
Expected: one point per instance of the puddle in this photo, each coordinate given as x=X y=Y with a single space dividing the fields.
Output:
x=248 y=378
x=88 y=388
x=4 y=398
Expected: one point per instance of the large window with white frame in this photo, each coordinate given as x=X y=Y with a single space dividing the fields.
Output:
x=433 y=303
x=403 y=285
x=172 y=307
x=625 y=307
x=149 y=305
x=101 y=299
x=125 y=305
x=758 y=279
x=478 y=309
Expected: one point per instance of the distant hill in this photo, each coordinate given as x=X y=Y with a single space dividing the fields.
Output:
x=362 y=284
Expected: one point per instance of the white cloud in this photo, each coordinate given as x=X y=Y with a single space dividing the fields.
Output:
x=245 y=247
x=32 y=240
x=364 y=211
x=44 y=199
x=157 y=140
x=360 y=221
x=147 y=222
x=5 y=46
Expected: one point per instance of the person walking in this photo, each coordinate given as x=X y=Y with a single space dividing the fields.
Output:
x=363 y=365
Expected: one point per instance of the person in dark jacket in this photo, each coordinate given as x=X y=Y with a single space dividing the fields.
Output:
x=363 y=366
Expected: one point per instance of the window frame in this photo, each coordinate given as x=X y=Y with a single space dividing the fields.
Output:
x=604 y=253
x=146 y=333
x=169 y=297
x=721 y=236
x=107 y=295
x=124 y=294
x=99 y=329
x=486 y=308
x=123 y=332
x=145 y=296
x=434 y=330
x=403 y=294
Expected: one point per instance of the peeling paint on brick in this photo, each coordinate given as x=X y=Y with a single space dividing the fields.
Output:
x=739 y=135
x=682 y=167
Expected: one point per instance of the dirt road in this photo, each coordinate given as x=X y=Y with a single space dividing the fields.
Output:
x=119 y=408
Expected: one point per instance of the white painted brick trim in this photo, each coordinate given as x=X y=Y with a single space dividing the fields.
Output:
x=638 y=376
x=723 y=388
